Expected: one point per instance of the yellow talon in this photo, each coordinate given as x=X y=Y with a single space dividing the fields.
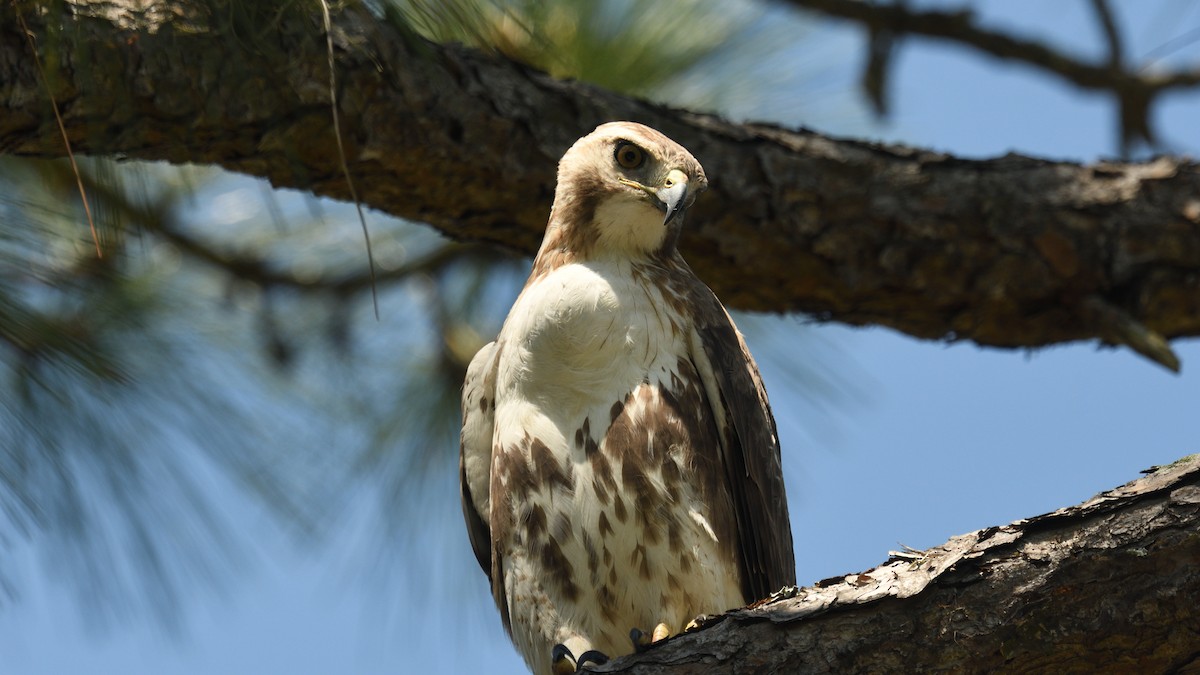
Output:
x=661 y=632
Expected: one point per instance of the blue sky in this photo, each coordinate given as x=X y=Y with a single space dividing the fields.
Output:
x=937 y=440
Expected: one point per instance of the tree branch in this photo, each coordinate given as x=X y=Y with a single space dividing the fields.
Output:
x=1107 y=586
x=256 y=270
x=959 y=27
x=1012 y=252
x=1112 y=34
x=1135 y=90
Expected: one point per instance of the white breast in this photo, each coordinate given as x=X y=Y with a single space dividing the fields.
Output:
x=581 y=330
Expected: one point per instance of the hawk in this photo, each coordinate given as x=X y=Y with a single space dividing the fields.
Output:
x=619 y=463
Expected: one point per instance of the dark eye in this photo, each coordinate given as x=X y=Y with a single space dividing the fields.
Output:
x=629 y=155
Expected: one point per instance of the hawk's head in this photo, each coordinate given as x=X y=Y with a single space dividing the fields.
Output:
x=623 y=188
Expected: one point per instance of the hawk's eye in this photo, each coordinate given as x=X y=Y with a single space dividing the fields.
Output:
x=630 y=156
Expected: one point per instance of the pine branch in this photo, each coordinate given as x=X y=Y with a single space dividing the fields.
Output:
x=1135 y=90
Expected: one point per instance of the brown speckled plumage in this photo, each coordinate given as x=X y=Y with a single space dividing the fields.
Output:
x=620 y=466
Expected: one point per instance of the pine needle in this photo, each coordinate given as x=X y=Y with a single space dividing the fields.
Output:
x=337 y=133
x=62 y=127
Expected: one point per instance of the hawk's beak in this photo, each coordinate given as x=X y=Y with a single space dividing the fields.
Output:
x=671 y=197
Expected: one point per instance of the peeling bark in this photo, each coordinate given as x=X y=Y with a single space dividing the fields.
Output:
x=1010 y=252
x=1108 y=586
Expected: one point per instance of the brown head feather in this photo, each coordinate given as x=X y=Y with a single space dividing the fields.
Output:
x=588 y=176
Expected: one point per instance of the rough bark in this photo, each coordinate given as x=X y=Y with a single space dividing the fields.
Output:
x=1012 y=251
x=1108 y=586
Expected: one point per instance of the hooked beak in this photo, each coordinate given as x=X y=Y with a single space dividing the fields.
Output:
x=672 y=197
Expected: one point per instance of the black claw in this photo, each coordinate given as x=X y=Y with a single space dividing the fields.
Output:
x=562 y=660
x=591 y=656
x=640 y=640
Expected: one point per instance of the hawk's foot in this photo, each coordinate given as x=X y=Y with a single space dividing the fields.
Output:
x=699 y=622
x=563 y=662
x=642 y=641
x=591 y=656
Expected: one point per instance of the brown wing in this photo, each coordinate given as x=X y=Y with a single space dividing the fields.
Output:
x=750 y=446
x=475 y=452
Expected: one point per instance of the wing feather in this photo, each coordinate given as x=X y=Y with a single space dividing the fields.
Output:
x=750 y=447
x=475 y=451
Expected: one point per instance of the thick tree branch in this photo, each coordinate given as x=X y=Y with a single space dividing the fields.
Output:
x=1013 y=251
x=1108 y=586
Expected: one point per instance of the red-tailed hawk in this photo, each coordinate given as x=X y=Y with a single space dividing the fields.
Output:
x=620 y=465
